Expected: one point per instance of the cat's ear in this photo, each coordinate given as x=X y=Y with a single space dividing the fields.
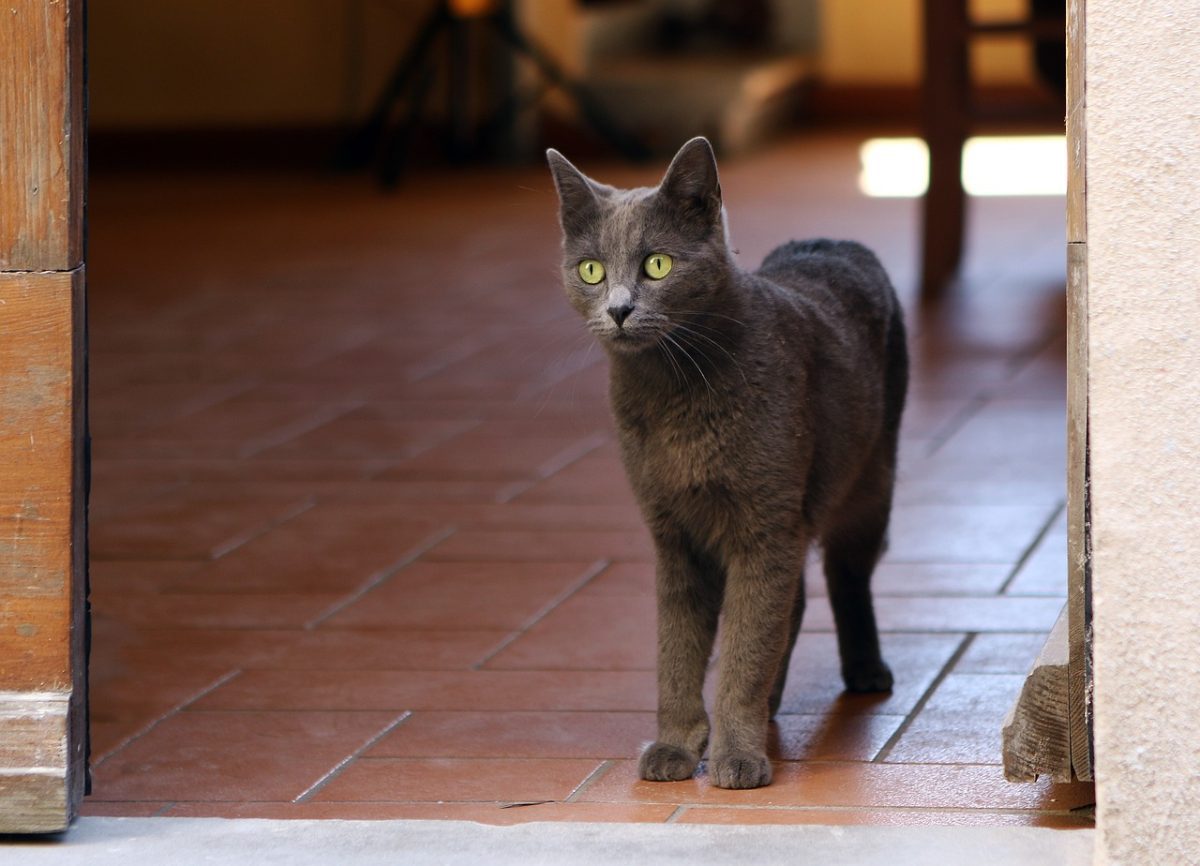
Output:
x=578 y=203
x=691 y=180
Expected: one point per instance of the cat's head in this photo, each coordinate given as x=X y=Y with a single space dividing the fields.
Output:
x=638 y=263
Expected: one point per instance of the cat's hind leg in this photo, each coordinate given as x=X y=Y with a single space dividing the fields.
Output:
x=853 y=545
x=689 y=590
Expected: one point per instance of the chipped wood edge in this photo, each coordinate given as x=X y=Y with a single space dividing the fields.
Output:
x=1036 y=732
x=1078 y=469
x=1078 y=507
x=35 y=765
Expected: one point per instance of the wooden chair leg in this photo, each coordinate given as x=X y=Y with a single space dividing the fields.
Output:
x=944 y=214
x=945 y=108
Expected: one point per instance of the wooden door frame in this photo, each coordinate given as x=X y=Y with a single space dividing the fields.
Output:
x=1133 y=436
x=1048 y=731
x=43 y=416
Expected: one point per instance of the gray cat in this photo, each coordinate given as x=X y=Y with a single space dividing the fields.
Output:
x=757 y=413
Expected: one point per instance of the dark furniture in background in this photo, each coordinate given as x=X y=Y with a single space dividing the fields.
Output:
x=385 y=137
x=951 y=110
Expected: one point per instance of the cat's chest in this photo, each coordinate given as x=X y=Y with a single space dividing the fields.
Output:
x=672 y=448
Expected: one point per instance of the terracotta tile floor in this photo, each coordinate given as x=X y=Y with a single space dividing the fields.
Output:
x=362 y=546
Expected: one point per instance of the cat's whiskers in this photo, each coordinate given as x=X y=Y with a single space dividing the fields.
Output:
x=685 y=339
x=675 y=369
x=685 y=329
x=589 y=347
x=688 y=355
x=577 y=340
x=707 y=313
x=720 y=332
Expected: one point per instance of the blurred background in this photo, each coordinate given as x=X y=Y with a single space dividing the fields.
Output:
x=283 y=80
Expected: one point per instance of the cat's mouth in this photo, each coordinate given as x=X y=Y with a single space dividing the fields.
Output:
x=623 y=340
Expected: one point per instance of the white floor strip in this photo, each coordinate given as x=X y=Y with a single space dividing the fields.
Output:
x=213 y=841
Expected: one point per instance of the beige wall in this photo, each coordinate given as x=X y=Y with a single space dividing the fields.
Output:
x=1143 y=243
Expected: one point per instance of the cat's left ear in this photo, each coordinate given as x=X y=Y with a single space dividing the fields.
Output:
x=577 y=194
x=691 y=180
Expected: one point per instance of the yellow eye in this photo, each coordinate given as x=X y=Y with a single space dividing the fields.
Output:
x=657 y=265
x=591 y=271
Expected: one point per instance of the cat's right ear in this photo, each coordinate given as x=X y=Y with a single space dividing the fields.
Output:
x=578 y=205
x=691 y=182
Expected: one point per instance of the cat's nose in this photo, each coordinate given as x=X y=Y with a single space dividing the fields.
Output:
x=620 y=312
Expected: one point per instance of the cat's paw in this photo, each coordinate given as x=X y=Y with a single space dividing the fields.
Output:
x=662 y=762
x=740 y=770
x=868 y=677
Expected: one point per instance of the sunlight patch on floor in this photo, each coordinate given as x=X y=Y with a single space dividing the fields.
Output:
x=992 y=166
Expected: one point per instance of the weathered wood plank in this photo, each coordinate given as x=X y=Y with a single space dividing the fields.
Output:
x=1036 y=733
x=1078 y=467
x=1078 y=505
x=43 y=618
x=42 y=556
x=33 y=731
x=34 y=762
x=1076 y=124
x=42 y=132
x=36 y=406
x=33 y=802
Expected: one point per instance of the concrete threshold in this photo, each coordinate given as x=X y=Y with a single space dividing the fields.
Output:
x=217 y=841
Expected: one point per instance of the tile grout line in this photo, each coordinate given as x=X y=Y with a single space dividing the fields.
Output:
x=1033 y=545
x=571 y=454
x=739 y=807
x=466 y=348
x=919 y=706
x=174 y=711
x=1022 y=359
x=567 y=457
x=589 y=574
x=382 y=576
x=959 y=420
x=313 y=363
x=198 y=405
x=288 y=432
x=316 y=786
x=592 y=777
x=700 y=807
x=830 y=807
x=548 y=389
x=464 y=427
x=245 y=538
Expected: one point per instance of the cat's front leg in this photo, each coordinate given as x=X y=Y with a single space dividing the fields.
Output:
x=689 y=599
x=758 y=607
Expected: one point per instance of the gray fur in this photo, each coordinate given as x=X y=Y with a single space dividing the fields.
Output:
x=758 y=414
